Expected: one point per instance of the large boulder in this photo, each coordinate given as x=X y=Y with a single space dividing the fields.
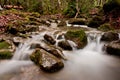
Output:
x=46 y=61
x=64 y=45
x=79 y=37
x=113 y=48
x=110 y=36
x=51 y=49
x=49 y=39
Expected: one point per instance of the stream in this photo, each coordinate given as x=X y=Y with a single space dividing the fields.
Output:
x=89 y=63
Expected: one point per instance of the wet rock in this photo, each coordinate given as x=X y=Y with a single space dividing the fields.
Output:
x=78 y=37
x=35 y=45
x=57 y=53
x=17 y=40
x=49 y=39
x=110 y=36
x=65 y=45
x=46 y=61
x=44 y=22
x=78 y=21
x=62 y=24
x=113 y=48
x=61 y=36
x=50 y=49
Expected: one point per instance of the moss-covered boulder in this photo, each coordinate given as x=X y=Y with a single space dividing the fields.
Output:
x=105 y=27
x=64 y=45
x=113 y=48
x=51 y=49
x=4 y=45
x=5 y=50
x=110 y=36
x=77 y=21
x=46 y=61
x=79 y=37
x=95 y=22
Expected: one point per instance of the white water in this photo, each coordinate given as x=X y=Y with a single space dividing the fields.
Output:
x=89 y=63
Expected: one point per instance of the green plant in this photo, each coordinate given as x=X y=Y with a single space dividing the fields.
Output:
x=36 y=6
x=70 y=11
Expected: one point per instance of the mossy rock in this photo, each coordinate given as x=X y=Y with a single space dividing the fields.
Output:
x=64 y=45
x=105 y=27
x=113 y=48
x=79 y=37
x=46 y=61
x=4 y=45
x=77 y=21
x=95 y=22
x=5 y=54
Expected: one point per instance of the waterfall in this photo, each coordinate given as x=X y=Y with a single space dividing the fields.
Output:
x=94 y=41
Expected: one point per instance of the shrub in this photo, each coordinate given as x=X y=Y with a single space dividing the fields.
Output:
x=36 y=7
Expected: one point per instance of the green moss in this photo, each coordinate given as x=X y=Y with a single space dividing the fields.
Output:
x=5 y=55
x=79 y=37
x=75 y=34
x=4 y=45
x=105 y=27
x=35 y=56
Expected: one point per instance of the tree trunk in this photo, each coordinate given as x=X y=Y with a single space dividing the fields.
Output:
x=59 y=2
x=77 y=8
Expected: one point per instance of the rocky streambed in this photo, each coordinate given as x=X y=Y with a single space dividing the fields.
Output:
x=60 y=53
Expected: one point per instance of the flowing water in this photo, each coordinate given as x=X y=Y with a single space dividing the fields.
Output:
x=90 y=63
